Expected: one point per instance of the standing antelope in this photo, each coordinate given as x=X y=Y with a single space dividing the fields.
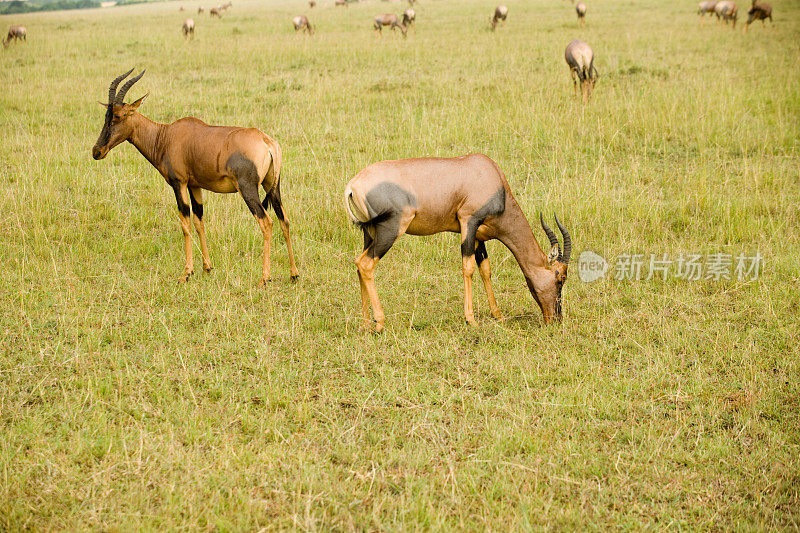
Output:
x=214 y=12
x=188 y=28
x=18 y=33
x=759 y=11
x=192 y=156
x=391 y=20
x=500 y=13
x=580 y=60
x=226 y=6
x=301 y=23
x=727 y=10
x=312 y=3
x=467 y=195
x=409 y=17
x=340 y=3
x=706 y=7
x=199 y=10
x=580 y=9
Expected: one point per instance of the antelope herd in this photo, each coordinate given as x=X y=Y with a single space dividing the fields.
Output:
x=468 y=195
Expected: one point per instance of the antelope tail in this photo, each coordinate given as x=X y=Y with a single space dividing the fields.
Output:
x=355 y=213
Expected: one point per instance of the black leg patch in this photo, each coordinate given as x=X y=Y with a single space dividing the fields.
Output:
x=494 y=207
x=247 y=178
x=274 y=198
x=182 y=207
x=480 y=253
x=197 y=208
x=386 y=230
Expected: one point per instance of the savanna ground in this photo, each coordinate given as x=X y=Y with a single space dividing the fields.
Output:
x=128 y=401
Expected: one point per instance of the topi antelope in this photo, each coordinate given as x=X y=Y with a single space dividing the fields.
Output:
x=312 y=3
x=727 y=10
x=17 y=33
x=409 y=17
x=580 y=9
x=580 y=60
x=199 y=10
x=192 y=156
x=214 y=12
x=340 y=3
x=301 y=23
x=500 y=13
x=226 y=6
x=391 y=20
x=467 y=195
x=759 y=11
x=706 y=7
x=188 y=28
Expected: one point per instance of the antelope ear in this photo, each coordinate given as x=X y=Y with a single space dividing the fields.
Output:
x=553 y=255
x=135 y=105
x=103 y=104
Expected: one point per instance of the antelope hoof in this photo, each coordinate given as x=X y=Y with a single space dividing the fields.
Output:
x=264 y=282
x=378 y=328
x=471 y=322
x=183 y=279
x=207 y=269
x=294 y=278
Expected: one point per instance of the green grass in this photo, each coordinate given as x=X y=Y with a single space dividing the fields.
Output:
x=127 y=401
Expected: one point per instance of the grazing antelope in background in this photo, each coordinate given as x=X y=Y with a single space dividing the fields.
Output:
x=340 y=3
x=192 y=156
x=181 y=9
x=500 y=13
x=467 y=195
x=580 y=9
x=727 y=10
x=214 y=12
x=580 y=60
x=199 y=10
x=312 y=3
x=409 y=17
x=301 y=23
x=188 y=28
x=759 y=11
x=226 y=6
x=706 y=7
x=17 y=33
x=391 y=20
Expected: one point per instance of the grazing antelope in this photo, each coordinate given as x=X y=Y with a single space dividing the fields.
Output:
x=226 y=6
x=409 y=17
x=580 y=9
x=301 y=23
x=706 y=7
x=192 y=156
x=727 y=10
x=17 y=33
x=340 y=3
x=312 y=3
x=188 y=28
x=214 y=12
x=759 y=11
x=199 y=10
x=391 y=20
x=467 y=195
x=500 y=13
x=580 y=60
x=181 y=9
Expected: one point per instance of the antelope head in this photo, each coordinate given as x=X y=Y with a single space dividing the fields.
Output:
x=549 y=293
x=117 y=126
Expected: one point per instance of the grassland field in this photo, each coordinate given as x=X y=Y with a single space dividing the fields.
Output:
x=130 y=402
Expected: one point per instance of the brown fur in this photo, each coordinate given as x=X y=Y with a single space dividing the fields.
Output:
x=191 y=156
x=500 y=14
x=467 y=195
x=759 y=11
x=580 y=60
x=214 y=12
x=188 y=28
x=727 y=10
x=17 y=33
x=391 y=20
x=300 y=23
x=580 y=9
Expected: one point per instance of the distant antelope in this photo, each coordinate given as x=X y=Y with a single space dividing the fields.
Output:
x=391 y=20
x=226 y=6
x=192 y=156
x=340 y=3
x=188 y=28
x=199 y=10
x=467 y=195
x=409 y=17
x=301 y=23
x=580 y=9
x=17 y=33
x=312 y=3
x=706 y=7
x=727 y=10
x=500 y=14
x=580 y=59
x=759 y=11
x=214 y=12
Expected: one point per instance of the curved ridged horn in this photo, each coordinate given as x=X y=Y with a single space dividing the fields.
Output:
x=120 y=99
x=550 y=235
x=112 y=89
x=567 y=241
